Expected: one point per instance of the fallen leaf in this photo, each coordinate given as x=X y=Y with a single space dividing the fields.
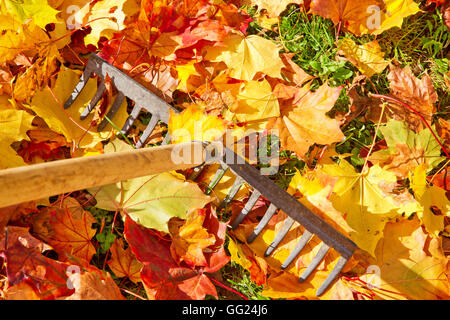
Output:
x=434 y=202
x=352 y=15
x=190 y=238
x=368 y=58
x=360 y=198
x=48 y=104
x=409 y=268
x=26 y=263
x=306 y=123
x=105 y=17
x=37 y=10
x=123 y=263
x=246 y=56
x=275 y=8
x=407 y=149
x=68 y=229
x=193 y=124
x=256 y=102
x=93 y=284
x=419 y=94
x=396 y=11
x=162 y=276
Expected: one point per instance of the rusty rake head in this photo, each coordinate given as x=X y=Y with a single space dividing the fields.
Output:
x=245 y=173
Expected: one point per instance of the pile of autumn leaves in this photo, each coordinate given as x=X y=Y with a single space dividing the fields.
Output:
x=198 y=51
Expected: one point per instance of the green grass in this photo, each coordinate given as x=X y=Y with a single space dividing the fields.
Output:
x=238 y=279
x=312 y=39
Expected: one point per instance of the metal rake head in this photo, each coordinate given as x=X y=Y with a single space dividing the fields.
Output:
x=126 y=87
x=245 y=173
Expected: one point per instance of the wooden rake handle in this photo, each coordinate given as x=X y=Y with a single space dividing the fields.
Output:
x=38 y=181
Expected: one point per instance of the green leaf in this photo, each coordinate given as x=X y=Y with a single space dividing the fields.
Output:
x=152 y=200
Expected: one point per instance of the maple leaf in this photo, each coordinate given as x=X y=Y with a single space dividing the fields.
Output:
x=275 y=8
x=286 y=286
x=39 y=74
x=256 y=102
x=366 y=206
x=14 y=126
x=25 y=263
x=419 y=94
x=396 y=11
x=246 y=56
x=305 y=123
x=256 y=265
x=194 y=124
x=352 y=15
x=123 y=262
x=37 y=10
x=198 y=241
x=434 y=202
x=48 y=104
x=25 y=39
x=105 y=17
x=411 y=265
x=68 y=230
x=292 y=71
x=151 y=200
x=93 y=284
x=190 y=238
x=368 y=58
x=163 y=278
x=407 y=149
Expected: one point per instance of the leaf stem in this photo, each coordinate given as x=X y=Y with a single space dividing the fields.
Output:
x=381 y=96
x=228 y=288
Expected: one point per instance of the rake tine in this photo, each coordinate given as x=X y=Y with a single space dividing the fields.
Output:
x=148 y=130
x=98 y=95
x=248 y=206
x=131 y=119
x=280 y=236
x=333 y=274
x=79 y=87
x=315 y=262
x=115 y=106
x=232 y=193
x=216 y=178
x=306 y=236
x=265 y=219
x=167 y=139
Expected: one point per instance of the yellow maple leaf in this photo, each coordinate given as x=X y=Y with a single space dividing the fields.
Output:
x=431 y=198
x=392 y=16
x=193 y=124
x=14 y=125
x=105 y=17
x=48 y=104
x=368 y=58
x=13 y=42
x=411 y=266
x=256 y=101
x=37 y=10
x=246 y=56
x=360 y=197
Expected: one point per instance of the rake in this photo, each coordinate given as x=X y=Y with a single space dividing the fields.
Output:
x=52 y=178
